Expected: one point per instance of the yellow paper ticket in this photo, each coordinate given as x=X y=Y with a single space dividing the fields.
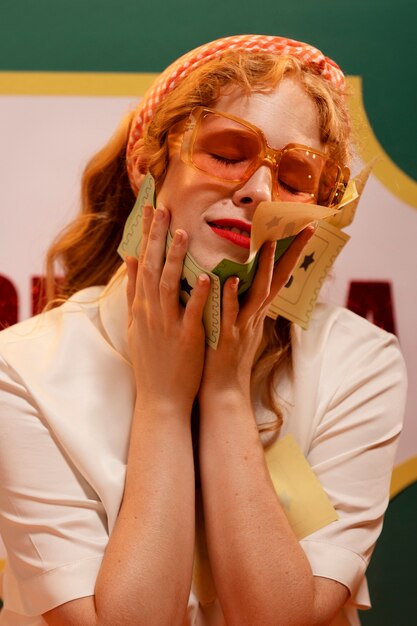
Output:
x=297 y=299
x=303 y=499
x=273 y=221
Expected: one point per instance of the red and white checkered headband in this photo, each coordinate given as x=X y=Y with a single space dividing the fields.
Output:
x=182 y=67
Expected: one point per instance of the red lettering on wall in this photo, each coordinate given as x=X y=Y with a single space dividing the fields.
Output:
x=8 y=303
x=38 y=294
x=373 y=300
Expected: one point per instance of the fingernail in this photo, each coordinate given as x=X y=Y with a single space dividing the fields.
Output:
x=203 y=278
x=315 y=225
x=235 y=282
x=129 y=266
x=178 y=237
x=147 y=210
x=159 y=214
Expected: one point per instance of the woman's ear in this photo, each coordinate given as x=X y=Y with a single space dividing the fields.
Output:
x=137 y=165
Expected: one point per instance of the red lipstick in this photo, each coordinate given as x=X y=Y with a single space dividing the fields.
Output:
x=236 y=231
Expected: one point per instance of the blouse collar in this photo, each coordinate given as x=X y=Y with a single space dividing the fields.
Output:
x=114 y=313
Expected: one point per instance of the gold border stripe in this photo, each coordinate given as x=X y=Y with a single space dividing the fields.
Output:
x=75 y=83
x=403 y=476
x=368 y=147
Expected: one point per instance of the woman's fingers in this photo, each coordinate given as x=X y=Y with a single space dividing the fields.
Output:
x=269 y=280
x=132 y=270
x=169 y=287
x=147 y=217
x=157 y=280
x=261 y=286
x=262 y=283
x=193 y=313
x=230 y=302
x=152 y=258
x=145 y=272
x=170 y=283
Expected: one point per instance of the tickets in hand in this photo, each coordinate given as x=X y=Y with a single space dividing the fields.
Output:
x=272 y=221
x=132 y=233
x=297 y=299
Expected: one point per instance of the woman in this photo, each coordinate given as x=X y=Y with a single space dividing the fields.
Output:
x=102 y=397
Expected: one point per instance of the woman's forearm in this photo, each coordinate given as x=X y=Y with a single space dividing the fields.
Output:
x=261 y=574
x=152 y=545
x=146 y=572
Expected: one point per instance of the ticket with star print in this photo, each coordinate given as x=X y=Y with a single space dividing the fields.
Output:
x=298 y=298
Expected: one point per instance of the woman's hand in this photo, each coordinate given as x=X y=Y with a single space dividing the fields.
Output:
x=260 y=572
x=166 y=340
x=229 y=367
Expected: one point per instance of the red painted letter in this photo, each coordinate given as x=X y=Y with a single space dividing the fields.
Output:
x=373 y=300
x=8 y=303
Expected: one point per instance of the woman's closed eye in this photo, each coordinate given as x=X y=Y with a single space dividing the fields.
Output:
x=288 y=187
x=227 y=160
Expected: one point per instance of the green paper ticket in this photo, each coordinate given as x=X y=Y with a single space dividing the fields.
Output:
x=246 y=271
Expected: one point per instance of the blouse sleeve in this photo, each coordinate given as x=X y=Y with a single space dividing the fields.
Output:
x=52 y=522
x=361 y=393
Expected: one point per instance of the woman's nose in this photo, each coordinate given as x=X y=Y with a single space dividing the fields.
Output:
x=258 y=188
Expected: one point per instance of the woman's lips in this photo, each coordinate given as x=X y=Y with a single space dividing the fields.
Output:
x=236 y=231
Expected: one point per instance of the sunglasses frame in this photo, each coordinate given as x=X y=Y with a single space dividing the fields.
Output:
x=268 y=156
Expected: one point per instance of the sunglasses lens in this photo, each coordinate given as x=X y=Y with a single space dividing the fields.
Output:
x=224 y=148
x=304 y=176
x=328 y=190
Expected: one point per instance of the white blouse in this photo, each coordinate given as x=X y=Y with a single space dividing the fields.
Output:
x=66 y=402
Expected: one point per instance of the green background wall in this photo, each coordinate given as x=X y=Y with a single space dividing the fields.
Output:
x=371 y=38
